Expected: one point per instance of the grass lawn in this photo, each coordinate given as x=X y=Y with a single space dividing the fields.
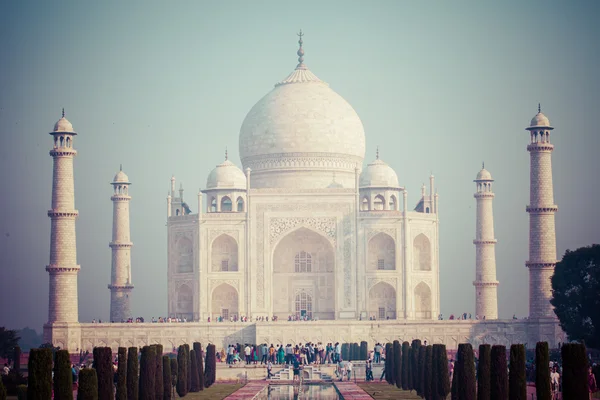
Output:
x=384 y=391
x=216 y=392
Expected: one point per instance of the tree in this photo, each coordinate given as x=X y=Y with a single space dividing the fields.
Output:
x=194 y=368
x=498 y=374
x=17 y=360
x=427 y=373
x=174 y=369
x=40 y=374
x=122 y=374
x=104 y=372
x=415 y=345
x=409 y=375
x=158 y=372
x=88 y=385
x=147 y=373
x=188 y=366
x=63 y=378
x=182 y=373
x=441 y=367
x=210 y=372
x=132 y=374
x=435 y=373
x=345 y=351
x=166 y=370
x=463 y=379
x=398 y=364
x=517 y=381
x=575 y=371
x=2 y=391
x=483 y=372
x=575 y=288
x=8 y=341
x=543 y=389
x=405 y=361
x=364 y=350
x=421 y=371
x=200 y=363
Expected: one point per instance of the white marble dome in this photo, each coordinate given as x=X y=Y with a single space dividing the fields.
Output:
x=484 y=175
x=121 y=177
x=540 y=120
x=226 y=176
x=63 y=125
x=378 y=174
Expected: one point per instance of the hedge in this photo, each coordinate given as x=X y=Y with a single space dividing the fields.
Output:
x=200 y=363
x=132 y=374
x=2 y=390
x=575 y=371
x=210 y=372
x=122 y=374
x=17 y=360
x=194 y=367
x=22 y=392
x=390 y=375
x=147 y=373
x=188 y=369
x=166 y=370
x=483 y=372
x=543 y=388
x=345 y=351
x=398 y=364
x=498 y=373
x=174 y=368
x=88 y=384
x=517 y=381
x=40 y=374
x=463 y=379
x=182 y=373
x=63 y=377
x=443 y=378
x=158 y=372
x=104 y=372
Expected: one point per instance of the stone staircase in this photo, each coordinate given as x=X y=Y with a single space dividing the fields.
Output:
x=308 y=374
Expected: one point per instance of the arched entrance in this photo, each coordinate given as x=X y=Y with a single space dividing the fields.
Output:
x=224 y=302
x=382 y=301
x=185 y=302
x=382 y=252
x=224 y=254
x=422 y=301
x=303 y=265
x=421 y=253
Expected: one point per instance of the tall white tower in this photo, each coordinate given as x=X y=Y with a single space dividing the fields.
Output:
x=120 y=279
x=63 y=268
x=541 y=209
x=486 y=285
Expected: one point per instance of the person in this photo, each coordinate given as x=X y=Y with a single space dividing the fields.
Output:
x=349 y=369
x=6 y=369
x=378 y=349
x=296 y=365
x=269 y=368
x=247 y=354
x=74 y=374
x=368 y=371
x=265 y=352
x=592 y=385
x=554 y=381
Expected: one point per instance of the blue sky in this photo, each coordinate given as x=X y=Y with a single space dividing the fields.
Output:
x=163 y=87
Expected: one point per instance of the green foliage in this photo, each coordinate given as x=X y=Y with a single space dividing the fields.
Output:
x=355 y=351
x=194 y=367
x=398 y=364
x=483 y=372
x=63 y=378
x=174 y=368
x=405 y=371
x=409 y=374
x=517 y=381
x=415 y=345
x=147 y=373
x=442 y=375
x=182 y=372
x=17 y=360
x=464 y=373
x=158 y=377
x=390 y=375
x=198 y=350
x=575 y=288
x=104 y=371
x=575 y=371
x=122 y=374
x=132 y=374
x=189 y=367
x=40 y=374
x=210 y=372
x=421 y=371
x=435 y=373
x=345 y=351
x=2 y=391
x=166 y=370
x=8 y=341
x=498 y=373
x=364 y=350
x=427 y=372
x=88 y=384
x=22 y=392
x=543 y=388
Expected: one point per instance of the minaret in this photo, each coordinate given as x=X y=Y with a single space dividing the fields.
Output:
x=63 y=268
x=486 y=285
x=120 y=277
x=541 y=209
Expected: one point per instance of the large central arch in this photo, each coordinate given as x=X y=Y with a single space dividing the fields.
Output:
x=382 y=301
x=303 y=262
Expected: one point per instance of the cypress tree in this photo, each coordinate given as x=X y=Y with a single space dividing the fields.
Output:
x=200 y=363
x=398 y=364
x=122 y=374
x=63 y=378
x=415 y=345
x=166 y=370
x=104 y=372
x=443 y=378
x=465 y=373
x=147 y=373
x=22 y=392
x=390 y=375
x=182 y=373
x=517 y=382
x=88 y=384
x=210 y=372
x=2 y=390
x=498 y=374
x=132 y=374
x=435 y=373
x=409 y=375
x=188 y=367
x=421 y=371
x=483 y=372
x=40 y=374
x=158 y=376
x=174 y=369
x=543 y=388
x=17 y=360
x=405 y=371
x=428 y=372
x=345 y=351
x=364 y=350
x=575 y=371
x=194 y=367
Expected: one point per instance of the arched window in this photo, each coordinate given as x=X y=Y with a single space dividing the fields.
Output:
x=213 y=205
x=427 y=210
x=177 y=212
x=303 y=262
x=303 y=305
x=61 y=141
x=365 y=205
x=379 y=202
x=240 y=204
x=68 y=142
x=393 y=204
x=226 y=205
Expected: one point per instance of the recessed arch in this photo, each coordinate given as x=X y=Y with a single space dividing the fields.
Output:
x=224 y=301
x=365 y=206
x=226 y=205
x=379 y=203
x=213 y=205
x=421 y=253
x=393 y=203
x=240 y=204
x=382 y=252
x=185 y=301
x=422 y=301
x=382 y=301
x=224 y=254
x=184 y=252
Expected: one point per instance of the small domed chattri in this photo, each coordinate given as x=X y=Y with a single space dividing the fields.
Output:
x=540 y=120
x=63 y=124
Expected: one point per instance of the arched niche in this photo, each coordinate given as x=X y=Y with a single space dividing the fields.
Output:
x=226 y=205
x=224 y=254
x=379 y=203
x=382 y=301
x=382 y=252
x=185 y=301
x=422 y=301
x=224 y=301
x=421 y=253
x=185 y=255
x=240 y=204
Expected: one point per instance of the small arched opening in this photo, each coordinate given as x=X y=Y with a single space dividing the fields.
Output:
x=379 y=203
x=365 y=204
x=226 y=205
x=240 y=204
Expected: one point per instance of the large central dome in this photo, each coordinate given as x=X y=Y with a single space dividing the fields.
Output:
x=301 y=133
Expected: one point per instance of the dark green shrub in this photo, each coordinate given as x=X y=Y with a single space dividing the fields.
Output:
x=364 y=350
x=575 y=371
x=194 y=368
x=409 y=375
x=158 y=376
x=173 y=363
x=430 y=372
x=443 y=377
x=132 y=374
x=345 y=351
x=104 y=372
x=415 y=345
x=404 y=362
x=63 y=378
x=464 y=371
x=543 y=388
x=398 y=364
x=147 y=373
x=88 y=384
x=122 y=374
x=355 y=352
x=198 y=350
x=166 y=370
x=421 y=371
x=483 y=372
x=40 y=374
x=210 y=371
x=2 y=390
x=517 y=381
x=188 y=367
x=182 y=372
x=17 y=360
x=22 y=392
x=498 y=374
x=390 y=375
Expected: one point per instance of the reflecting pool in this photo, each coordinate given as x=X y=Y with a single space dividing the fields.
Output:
x=304 y=392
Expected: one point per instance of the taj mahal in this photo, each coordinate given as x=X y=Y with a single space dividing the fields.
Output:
x=302 y=230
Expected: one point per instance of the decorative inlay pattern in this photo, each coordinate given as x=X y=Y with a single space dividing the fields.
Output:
x=217 y=232
x=232 y=282
x=279 y=226
x=374 y=281
x=389 y=231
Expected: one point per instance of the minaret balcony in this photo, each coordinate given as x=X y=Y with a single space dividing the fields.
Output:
x=546 y=209
x=485 y=241
x=126 y=286
x=540 y=265
x=484 y=195
x=486 y=283
x=54 y=268
x=121 y=245
x=540 y=146
x=63 y=214
x=120 y=197
x=63 y=152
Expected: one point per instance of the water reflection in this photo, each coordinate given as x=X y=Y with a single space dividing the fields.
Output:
x=304 y=392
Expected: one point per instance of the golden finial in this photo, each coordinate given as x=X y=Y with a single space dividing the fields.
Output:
x=483 y=165
x=539 y=108
x=121 y=167
x=63 y=112
x=300 y=51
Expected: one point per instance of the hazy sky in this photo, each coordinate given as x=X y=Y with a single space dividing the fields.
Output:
x=163 y=87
